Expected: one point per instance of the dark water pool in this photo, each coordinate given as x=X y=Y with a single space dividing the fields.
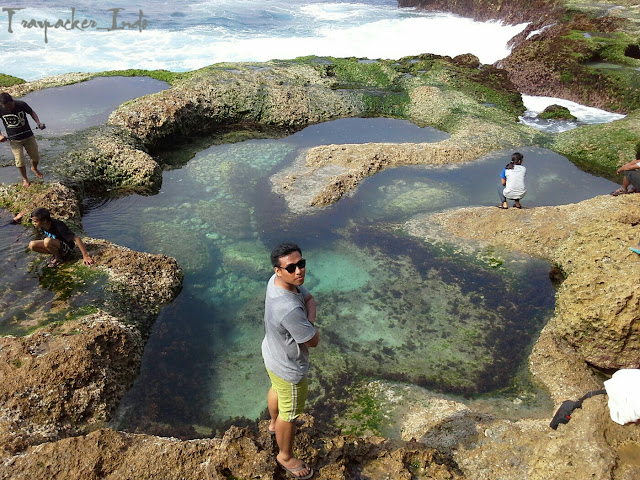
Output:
x=391 y=307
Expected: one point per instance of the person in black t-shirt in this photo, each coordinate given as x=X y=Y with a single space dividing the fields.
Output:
x=14 y=116
x=59 y=240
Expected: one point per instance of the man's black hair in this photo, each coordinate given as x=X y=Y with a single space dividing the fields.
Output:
x=5 y=98
x=516 y=158
x=41 y=213
x=283 y=250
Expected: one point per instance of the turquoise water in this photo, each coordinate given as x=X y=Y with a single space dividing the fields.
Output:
x=390 y=306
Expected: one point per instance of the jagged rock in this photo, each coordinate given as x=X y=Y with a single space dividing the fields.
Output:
x=240 y=453
x=104 y=158
x=467 y=60
x=511 y=12
x=596 y=322
x=289 y=98
x=62 y=380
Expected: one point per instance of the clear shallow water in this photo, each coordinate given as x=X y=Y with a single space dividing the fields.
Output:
x=391 y=307
x=229 y=31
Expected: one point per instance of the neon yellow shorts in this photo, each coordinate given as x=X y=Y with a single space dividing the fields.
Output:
x=291 y=396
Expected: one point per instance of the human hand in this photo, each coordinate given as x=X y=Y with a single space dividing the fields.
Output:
x=87 y=260
x=18 y=217
x=42 y=126
x=3 y=139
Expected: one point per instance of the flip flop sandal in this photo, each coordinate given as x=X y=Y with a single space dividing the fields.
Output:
x=53 y=263
x=293 y=471
x=635 y=250
x=503 y=208
x=617 y=192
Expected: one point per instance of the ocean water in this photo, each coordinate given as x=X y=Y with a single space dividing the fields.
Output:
x=186 y=35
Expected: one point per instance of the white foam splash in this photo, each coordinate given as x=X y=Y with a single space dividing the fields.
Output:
x=584 y=114
x=333 y=29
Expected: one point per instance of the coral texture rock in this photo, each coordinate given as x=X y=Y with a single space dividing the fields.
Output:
x=60 y=380
x=595 y=323
x=289 y=98
x=61 y=201
x=240 y=453
x=511 y=12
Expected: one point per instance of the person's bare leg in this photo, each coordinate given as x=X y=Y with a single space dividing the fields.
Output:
x=285 y=435
x=34 y=168
x=25 y=180
x=38 y=246
x=272 y=405
x=625 y=183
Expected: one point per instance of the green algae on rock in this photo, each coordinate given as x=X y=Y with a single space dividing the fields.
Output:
x=602 y=148
x=556 y=112
x=104 y=158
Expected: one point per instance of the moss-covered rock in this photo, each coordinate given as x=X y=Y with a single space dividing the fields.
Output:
x=105 y=158
x=601 y=148
x=581 y=58
x=61 y=201
x=556 y=112
x=9 y=80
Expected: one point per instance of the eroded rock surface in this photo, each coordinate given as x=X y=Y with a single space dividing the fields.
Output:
x=61 y=380
x=240 y=453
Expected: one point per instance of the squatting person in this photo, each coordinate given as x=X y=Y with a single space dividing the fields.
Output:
x=59 y=241
x=19 y=133
x=512 y=182
x=289 y=319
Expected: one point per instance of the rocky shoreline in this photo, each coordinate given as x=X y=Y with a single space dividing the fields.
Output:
x=62 y=382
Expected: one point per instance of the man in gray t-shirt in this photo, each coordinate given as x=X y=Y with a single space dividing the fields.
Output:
x=289 y=320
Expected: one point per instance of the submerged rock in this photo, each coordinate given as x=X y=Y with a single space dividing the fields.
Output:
x=186 y=245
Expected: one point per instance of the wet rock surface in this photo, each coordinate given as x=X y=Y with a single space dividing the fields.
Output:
x=61 y=200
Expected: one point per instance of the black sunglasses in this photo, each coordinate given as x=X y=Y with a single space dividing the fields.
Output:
x=291 y=268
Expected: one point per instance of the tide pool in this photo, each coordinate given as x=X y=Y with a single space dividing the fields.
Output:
x=391 y=307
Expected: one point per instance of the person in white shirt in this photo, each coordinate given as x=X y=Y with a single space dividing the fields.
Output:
x=512 y=182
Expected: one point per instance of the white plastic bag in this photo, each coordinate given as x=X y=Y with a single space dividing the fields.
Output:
x=623 y=389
